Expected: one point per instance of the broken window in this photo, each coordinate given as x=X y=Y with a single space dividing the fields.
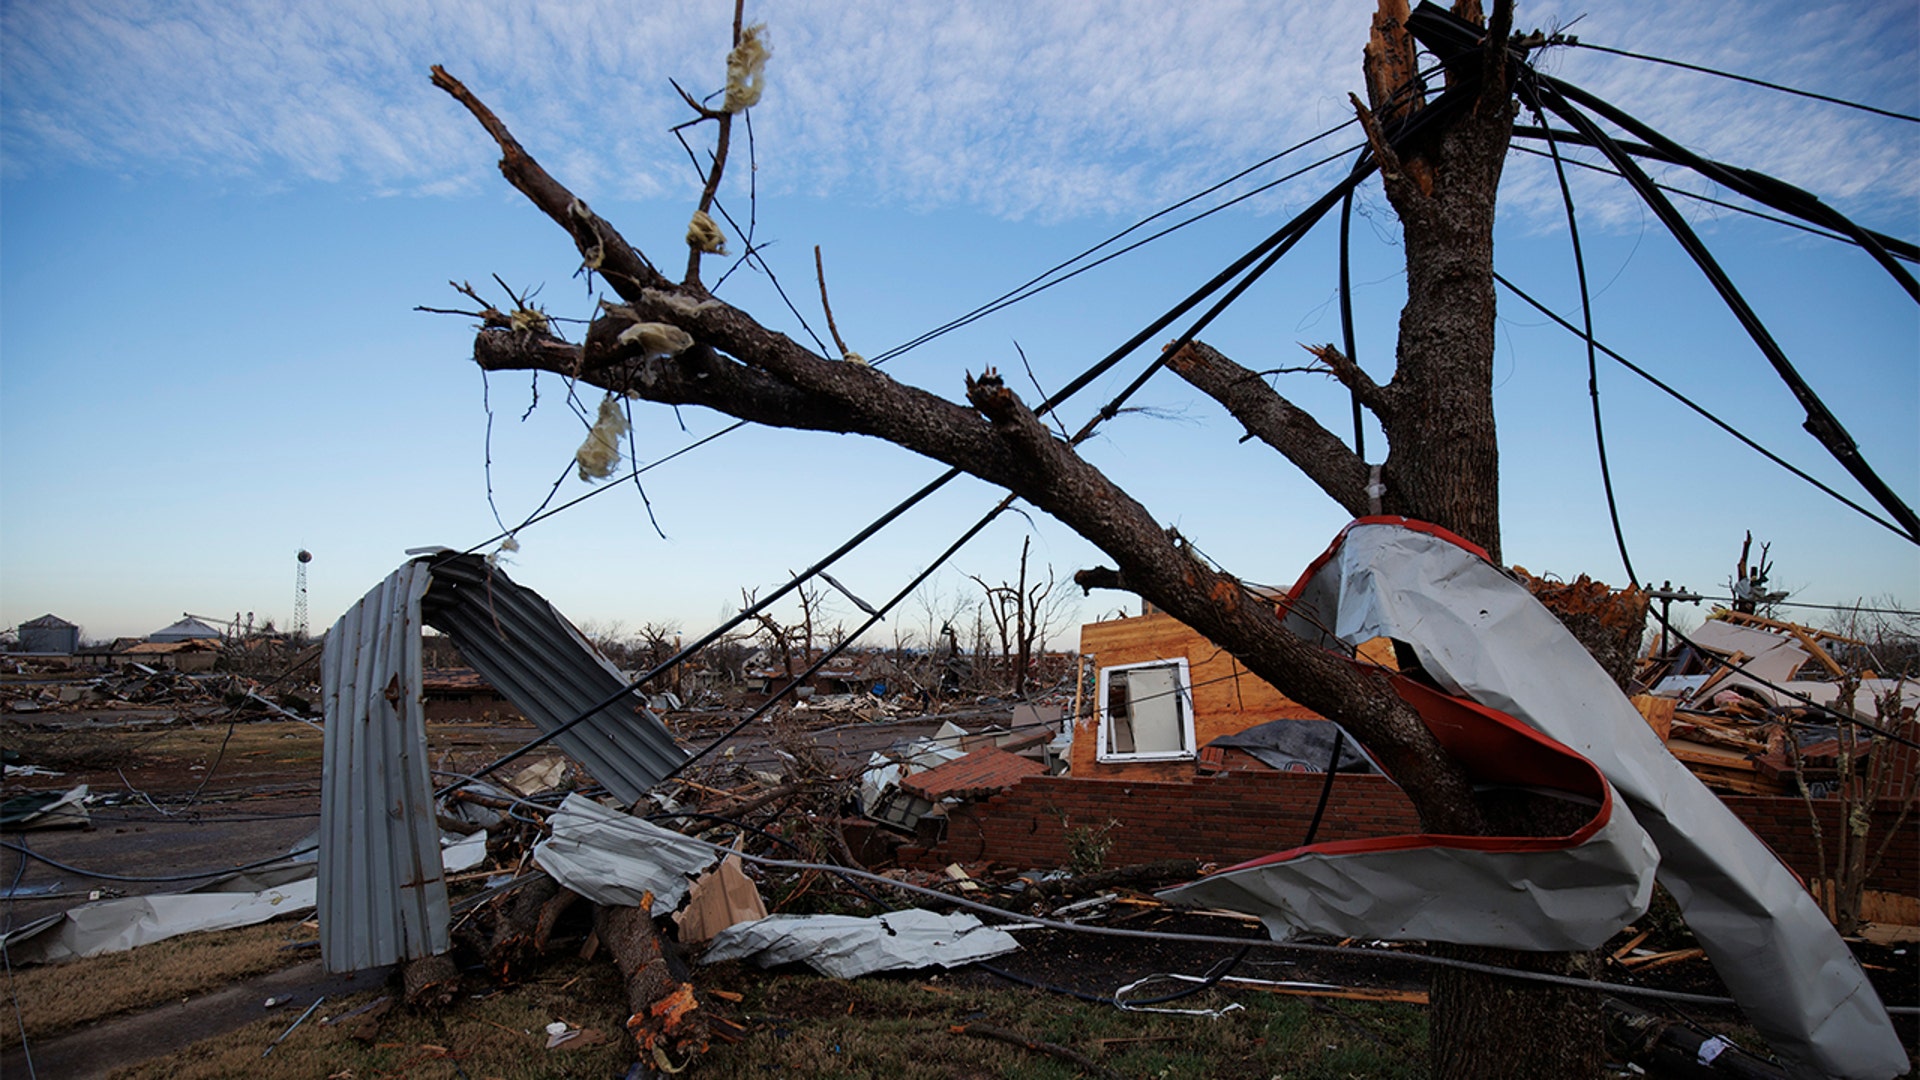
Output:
x=1146 y=712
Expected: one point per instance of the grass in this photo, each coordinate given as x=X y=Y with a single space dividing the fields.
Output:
x=903 y=1027
x=802 y=1026
x=498 y=1037
x=257 y=746
x=54 y=998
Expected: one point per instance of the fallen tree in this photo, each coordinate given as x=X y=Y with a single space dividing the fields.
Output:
x=674 y=343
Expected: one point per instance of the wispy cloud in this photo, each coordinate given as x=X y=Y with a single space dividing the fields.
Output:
x=1045 y=110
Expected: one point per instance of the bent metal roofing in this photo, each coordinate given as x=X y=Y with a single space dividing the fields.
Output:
x=382 y=891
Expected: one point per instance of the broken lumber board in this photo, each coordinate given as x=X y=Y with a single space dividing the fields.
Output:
x=1657 y=712
x=1661 y=959
x=1694 y=753
x=1632 y=944
x=1345 y=993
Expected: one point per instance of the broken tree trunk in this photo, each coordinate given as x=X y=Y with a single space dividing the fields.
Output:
x=665 y=1021
x=523 y=925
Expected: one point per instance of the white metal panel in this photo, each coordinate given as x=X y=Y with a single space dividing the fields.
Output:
x=1481 y=635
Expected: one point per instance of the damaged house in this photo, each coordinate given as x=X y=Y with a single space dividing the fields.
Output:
x=1160 y=702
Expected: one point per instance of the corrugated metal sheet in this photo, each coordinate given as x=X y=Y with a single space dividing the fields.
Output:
x=383 y=894
x=542 y=664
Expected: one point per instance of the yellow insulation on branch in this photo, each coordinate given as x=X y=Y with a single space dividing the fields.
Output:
x=747 y=69
x=601 y=452
x=704 y=236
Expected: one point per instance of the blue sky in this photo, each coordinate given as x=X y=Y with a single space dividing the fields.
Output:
x=216 y=219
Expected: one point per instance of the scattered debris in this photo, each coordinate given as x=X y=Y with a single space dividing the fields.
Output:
x=290 y=1027
x=47 y=810
x=721 y=897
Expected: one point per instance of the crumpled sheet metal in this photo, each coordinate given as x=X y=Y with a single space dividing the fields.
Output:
x=1483 y=636
x=383 y=897
x=615 y=858
x=383 y=894
x=106 y=926
x=1437 y=892
x=848 y=946
x=1563 y=893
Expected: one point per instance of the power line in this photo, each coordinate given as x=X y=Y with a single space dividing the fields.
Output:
x=1820 y=421
x=1750 y=80
x=1697 y=197
x=1902 y=612
x=1040 y=282
x=1699 y=409
x=1586 y=333
x=1758 y=186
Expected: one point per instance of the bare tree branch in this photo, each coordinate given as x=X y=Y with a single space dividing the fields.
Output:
x=606 y=252
x=746 y=370
x=1279 y=423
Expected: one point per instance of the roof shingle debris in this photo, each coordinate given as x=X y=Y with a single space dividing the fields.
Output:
x=973 y=776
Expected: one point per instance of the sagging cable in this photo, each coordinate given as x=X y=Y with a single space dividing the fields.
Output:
x=1750 y=80
x=1593 y=359
x=1758 y=186
x=1778 y=193
x=1656 y=381
x=1820 y=422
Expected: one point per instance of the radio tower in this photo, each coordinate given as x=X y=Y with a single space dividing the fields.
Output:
x=300 y=595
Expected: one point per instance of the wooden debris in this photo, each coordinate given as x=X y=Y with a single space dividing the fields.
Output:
x=521 y=928
x=1632 y=943
x=1661 y=959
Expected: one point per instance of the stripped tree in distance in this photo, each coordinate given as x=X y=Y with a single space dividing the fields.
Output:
x=672 y=342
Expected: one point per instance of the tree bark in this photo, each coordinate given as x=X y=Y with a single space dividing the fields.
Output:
x=665 y=1021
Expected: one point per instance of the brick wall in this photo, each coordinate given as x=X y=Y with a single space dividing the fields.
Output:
x=1783 y=823
x=1227 y=818
x=1243 y=815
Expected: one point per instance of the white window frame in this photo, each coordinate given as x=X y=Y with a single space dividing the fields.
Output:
x=1185 y=700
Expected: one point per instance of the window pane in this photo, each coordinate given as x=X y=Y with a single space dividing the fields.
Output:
x=1119 y=717
x=1153 y=697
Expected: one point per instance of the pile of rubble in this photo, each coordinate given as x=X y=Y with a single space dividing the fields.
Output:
x=1747 y=703
x=138 y=686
